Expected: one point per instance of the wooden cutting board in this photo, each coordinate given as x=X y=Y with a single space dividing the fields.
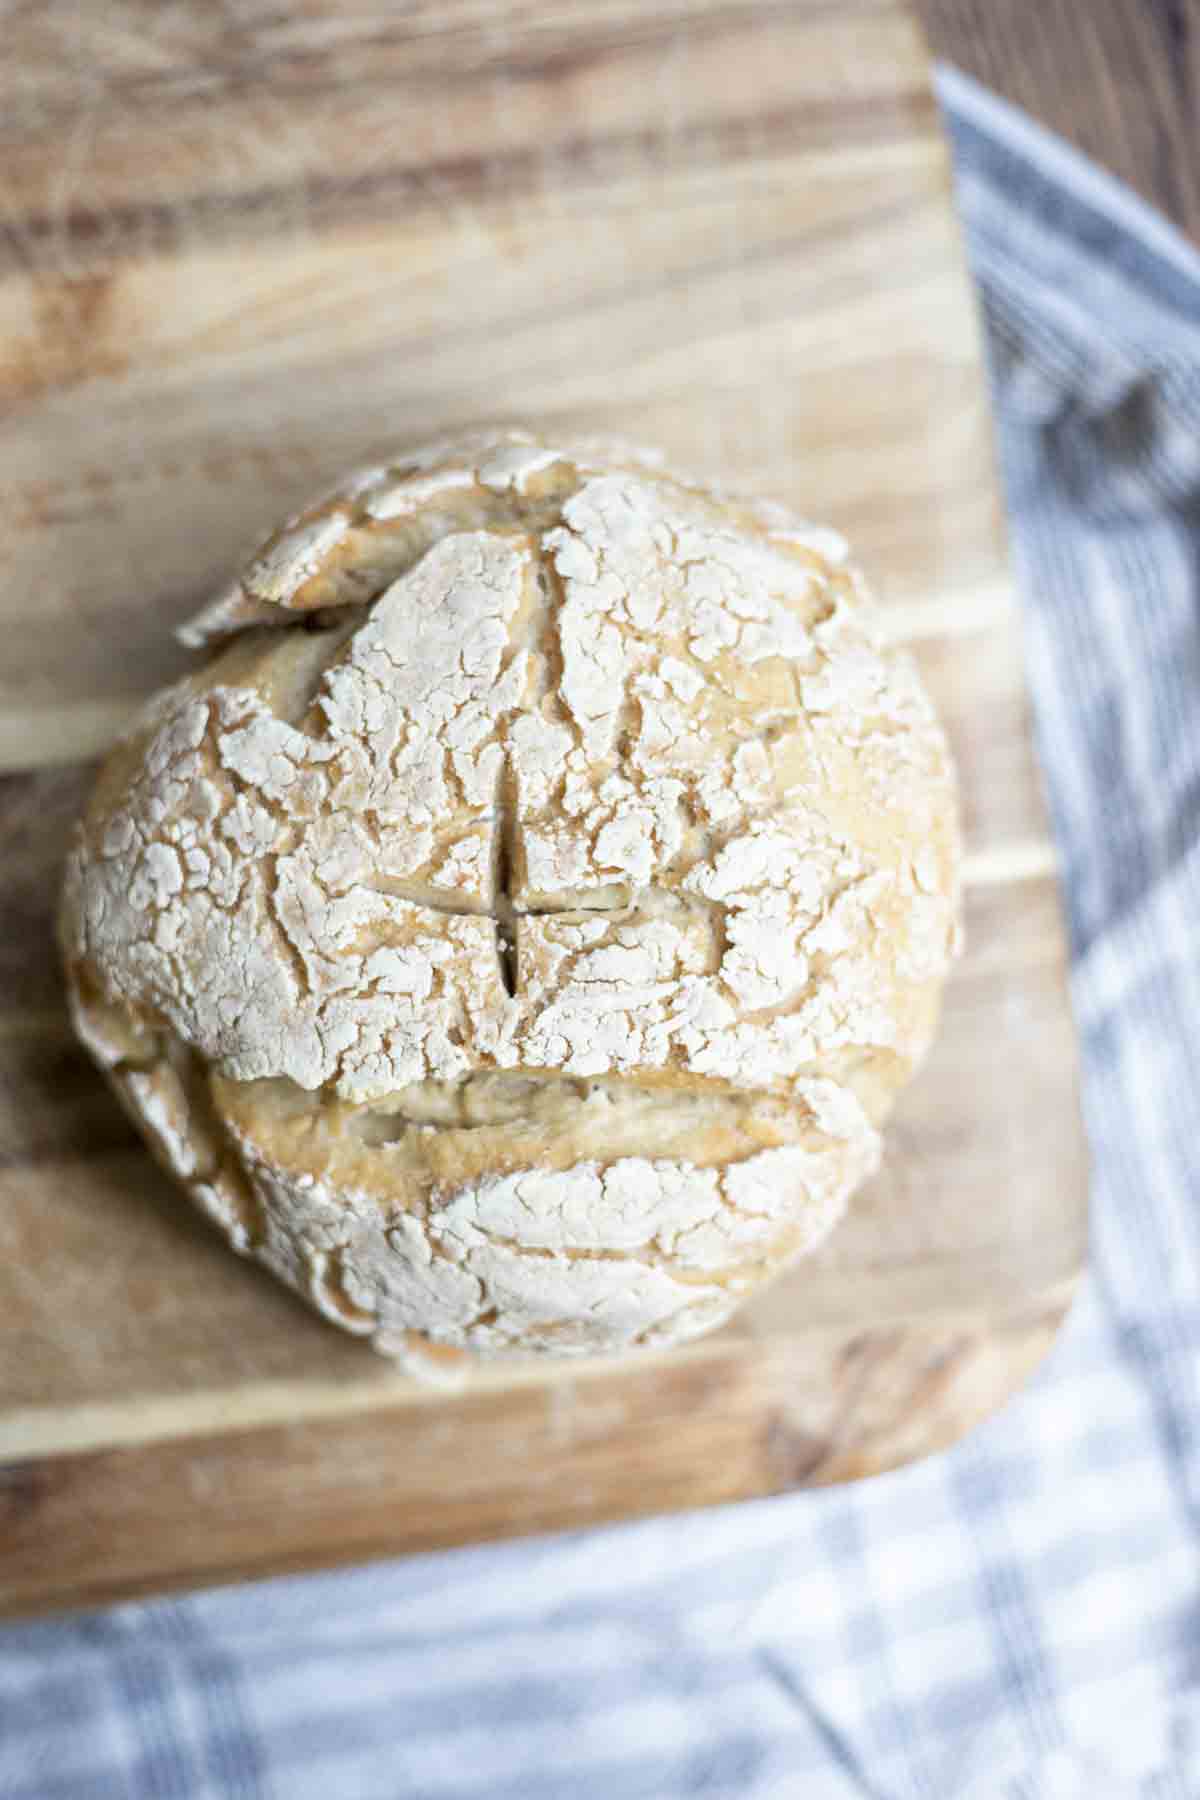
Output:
x=237 y=255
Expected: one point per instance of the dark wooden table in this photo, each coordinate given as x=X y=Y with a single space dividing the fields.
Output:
x=1118 y=78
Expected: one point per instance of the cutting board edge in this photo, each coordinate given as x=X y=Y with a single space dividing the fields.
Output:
x=146 y=1519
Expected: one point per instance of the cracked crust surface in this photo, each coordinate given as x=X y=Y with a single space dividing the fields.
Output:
x=517 y=931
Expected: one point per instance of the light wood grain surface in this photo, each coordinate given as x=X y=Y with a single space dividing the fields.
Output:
x=238 y=254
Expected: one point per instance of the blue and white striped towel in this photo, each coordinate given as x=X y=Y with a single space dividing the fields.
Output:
x=1019 y=1618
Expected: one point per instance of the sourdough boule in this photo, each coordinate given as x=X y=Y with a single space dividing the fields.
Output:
x=516 y=931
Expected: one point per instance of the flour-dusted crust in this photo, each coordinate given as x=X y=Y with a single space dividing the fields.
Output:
x=517 y=931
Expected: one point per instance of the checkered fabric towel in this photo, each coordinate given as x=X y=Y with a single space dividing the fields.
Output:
x=1018 y=1618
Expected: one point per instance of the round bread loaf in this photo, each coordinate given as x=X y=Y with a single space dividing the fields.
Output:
x=516 y=931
